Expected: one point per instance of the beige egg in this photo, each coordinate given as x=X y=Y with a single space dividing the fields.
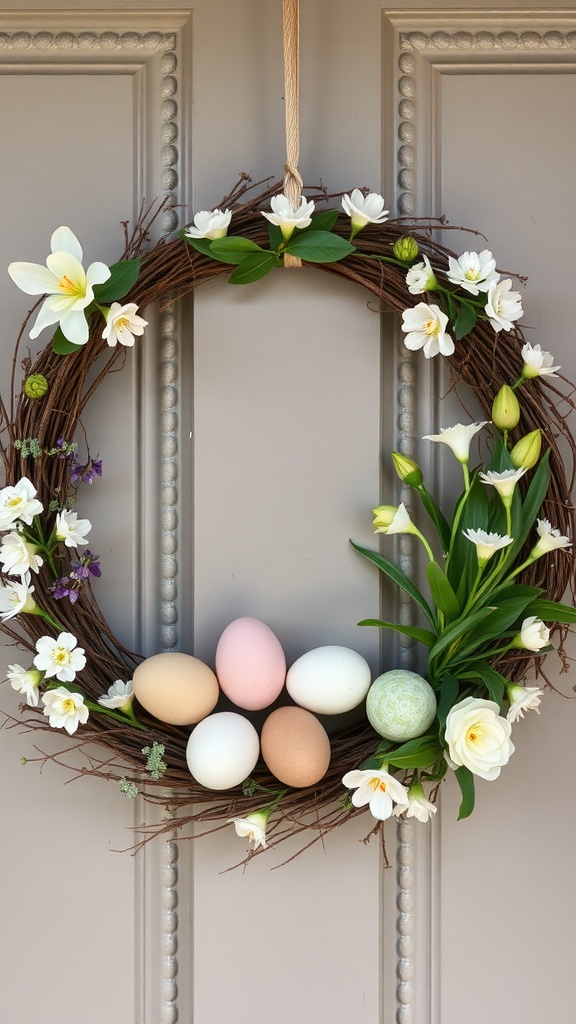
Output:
x=176 y=688
x=295 y=746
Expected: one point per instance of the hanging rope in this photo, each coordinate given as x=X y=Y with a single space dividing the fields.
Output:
x=292 y=178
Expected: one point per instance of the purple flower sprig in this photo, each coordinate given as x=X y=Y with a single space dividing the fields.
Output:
x=84 y=473
x=70 y=586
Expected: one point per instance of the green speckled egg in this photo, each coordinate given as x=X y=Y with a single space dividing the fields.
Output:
x=400 y=705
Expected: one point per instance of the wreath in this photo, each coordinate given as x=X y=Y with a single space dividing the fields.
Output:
x=497 y=566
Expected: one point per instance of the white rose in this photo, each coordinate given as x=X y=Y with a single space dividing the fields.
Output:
x=478 y=737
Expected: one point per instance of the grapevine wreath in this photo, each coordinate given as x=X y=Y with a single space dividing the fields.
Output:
x=506 y=545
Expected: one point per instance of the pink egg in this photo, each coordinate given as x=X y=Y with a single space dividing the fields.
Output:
x=250 y=664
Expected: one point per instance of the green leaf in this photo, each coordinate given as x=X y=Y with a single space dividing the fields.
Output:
x=449 y=688
x=61 y=346
x=437 y=517
x=464 y=322
x=234 y=249
x=442 y=592
x=275 y=235
x=123 y=277
x=202 y=245
x=324 y=221
x=532 y=503
x=399 y=578
x=419 y=753
x=552 y=611
x=495 y=682
x=453 y=634
x=252 y=268
x=319 y=247
x=466 y=783
x=425 y=636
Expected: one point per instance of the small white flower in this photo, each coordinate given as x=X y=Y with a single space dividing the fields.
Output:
x=252 y=827
x=537 y=363
x=18 y=556
x=478 y=737
x=286 y=217
x=380 y=790
x=487 y=544
x=19 y=502
x=392 y=519
x=523 y=698
x=122 y=324
x=550 y=539
x=119 y=697
x=60 y=657
x=364 y=210
x=534 y=634
x=70 y=529
x=504 y=482
x=425 y=327
x=458 y=438
x=473 y=271
x=16 y=598
x=503 y=306
x=418 y=806
x=25 y=681
x=65 y=710
x=210 y=224
x=421 y=278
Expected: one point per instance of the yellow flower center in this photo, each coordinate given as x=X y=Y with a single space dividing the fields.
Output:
x=15 y=501
x=378 y=784
x=431 y=328
x=68 y=286
x=474 y=735
x=122 y=323
x=68 y=706
x=61 y=656
x=472 y=275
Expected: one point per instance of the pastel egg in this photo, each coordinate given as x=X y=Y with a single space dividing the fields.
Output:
x=250 y=664
x=295 y=747
x=400 y=705
x=329 y=680
x=176 y=688
x=222 y=750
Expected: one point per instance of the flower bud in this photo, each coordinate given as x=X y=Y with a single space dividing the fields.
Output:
x=406 y=248
x=35 y=386
x=407 y=470
x=526 y=452
x=383 y=516
x=505 y=409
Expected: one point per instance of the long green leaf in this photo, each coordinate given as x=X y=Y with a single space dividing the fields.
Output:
x=252 y=268
x=552 y=611
x=532 y=504
x=442 y=593
x=419 y=753
x=399 y=578
x=437 y=517
x=319 y=247
x=234 y=249
x=464 y=322
x=454 y=632
x=323 y=221
x=466 y=783
x=123 y=277
x=449 y=688
x=495 y=682
x=425 y=636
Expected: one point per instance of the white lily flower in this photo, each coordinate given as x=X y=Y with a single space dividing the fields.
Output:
x=537 y=363
x=286 y=217
x=122 y=324
x=523 y=698
x=458 y=438
x=19 y=502
x=487 y=544
x=16 y=598
x=418 y=806
x=18 y=556
x=550 y=539
x=504 y=482
x=70 y=529
x=119 y=697
x=392 y=519
x=68 y=286
x=65 y=710
x=252 y=827
x=364 y=210
x=60 y=657
x=533 y=636
x=421 y=278
x=25 y=681
x=425 y=327
x=210 y=224
x=380 y=790
x=475 y=272
x=503 y=306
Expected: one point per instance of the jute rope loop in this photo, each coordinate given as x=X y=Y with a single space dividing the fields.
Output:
x=292 y=179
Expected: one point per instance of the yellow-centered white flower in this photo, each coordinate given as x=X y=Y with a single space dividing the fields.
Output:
x=537 y=363
x=119 y=697
x=59 y=657
x=478 y=737
x=503 y=306
x=16 y=598
x=287 y=217
x=65 y=709
x=18 y=556
x=380 y=790
x=252 y=828
x=122 y=324
x=458 y=438
x=504 y=482
x=523 y=698
x=19 y=502
x=487 y=544
x=418 y=806
x=550 y=539
x=25 y=681
x=425 y=328
x=70 y=529
x=475 y=272
x=68 y=286
x=364 y=209
x=210 y=224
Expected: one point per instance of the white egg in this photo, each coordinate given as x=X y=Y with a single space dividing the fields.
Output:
x=222 y=750
x=329 y=680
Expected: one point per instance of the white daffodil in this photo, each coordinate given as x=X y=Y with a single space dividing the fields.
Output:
x=487 y=544
x=60 y=657
x=68 y=286
x=19 y=502
x=478 y=737
x=18 y=556
x=504 y=482
x=286 y=217
x=421 y=278
x=537 y=363
x=210 y=224
x=550 y=539
x=122 y=324
x=458 y=438
x=119 y=697
x=252 y=827
x=473 y=271
x=503 y=306
x=65 y=710
x=364 y=210
x=425 y=327
x=523 y=698
x=418 y=806
x=16 y=598
x=70 y=529
x=533 y=635
x=380 y=790
x=25 y=681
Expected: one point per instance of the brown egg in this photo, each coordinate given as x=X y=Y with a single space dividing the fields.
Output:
x=176 y=688
x=295 y=746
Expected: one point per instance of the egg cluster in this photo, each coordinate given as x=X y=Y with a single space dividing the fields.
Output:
x=250 y=670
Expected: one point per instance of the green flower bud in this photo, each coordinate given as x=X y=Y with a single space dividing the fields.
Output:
x=505 y=409
x=407 y=470
x=383 y=516
x=35 y=386
x=406 y=249
x=526 y=452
